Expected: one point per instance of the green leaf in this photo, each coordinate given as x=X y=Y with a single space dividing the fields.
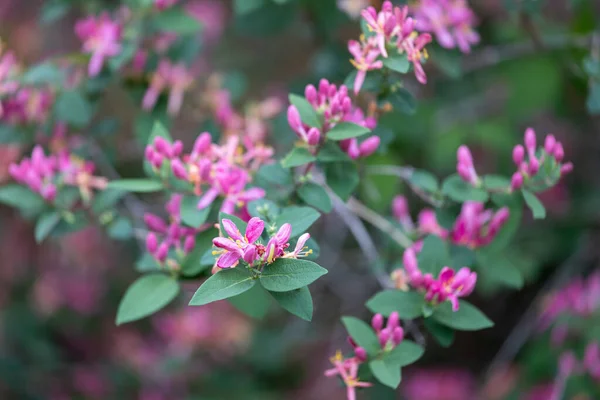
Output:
x=254 y=302
x=593 y=100
x=147 y=263
x=301 y=218
x=298 y=302
x=342 y=178
x=190 y=214
x=145 y=296
x=149 y=125
x=241 y=7
x=176 y=20
x=297 y=157
x=434 y=256
x=404 y=354
x=498 y=268
x=424 y=180
x=136 y=185
x=314 y=195
x=120 y=229
x=386 y=374
x=331 y=152
x=408 y=304
x=53 y=10
x=402 y=100
x=397 y=62
x=461 y=191
x=22 y=198
x=263 y=208
x=467 y=318
x=307 y=113
x=535 y=205
x=106 y=200
x=346 y=130
x=193 y=264
x=362 y=334
x=287 y=274
x=496 y=182
x=72 y=107
x=275 y=174
x=45 y=224
x=45 y=73
x=441 y=333
x=222 y=285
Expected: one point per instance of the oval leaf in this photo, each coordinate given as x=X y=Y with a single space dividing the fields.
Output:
x=362 y=334
x=254 y=302
x=385 y=373
x=45 y=224
x=461 y=191
x=307 y=113
x=297 y=157
x=346 y=130
x=298 y=302
x=136 y=185
x=535 y=205
x=222 y=285
x=287 y=274
x=145 y=296
x=408 y=304
x=314 y=195
x=404 y=354
x=467 y=318
x=301 y=218
x=190 y=214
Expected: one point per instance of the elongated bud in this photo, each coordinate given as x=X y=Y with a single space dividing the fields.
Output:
x=566 y=168
x=149 y=153
x=499 y=219
x=377 y=322
x=384 y=336
x=202 y=143
x=516 y=181
x=464 y=157
x=162 y=252
x=311 y=94
x=151 y=243
x=294 y=119
x=177 y=148
x=313 y=136
x=534 y=166
x=369 y=146
x=155 y=223
x=559 y=152
x=353 y=150
x=393 y=321
x=409 y=259
x=530 y=140
x=178 y=169
x=549 y=144
x=397 y=335
x=189 y=244
x=360 y=353
x=400 y=207
x=162 y=146
x=157 y=160
x=49 y=193
x=323 y=87
x=518 y=154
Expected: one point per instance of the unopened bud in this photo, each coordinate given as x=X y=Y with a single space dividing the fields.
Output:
x=516 y=181
x=530 y=140
x=151 y=243
x=398 y=335
x=377 y=322
x=188 y=244
x=549 y=144
x=313 y=136
x=360 y=353
x=369 y=146
x=518 y=154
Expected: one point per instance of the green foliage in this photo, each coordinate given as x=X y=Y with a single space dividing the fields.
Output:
x=45 y=224
x=442 y=334
x=535 y=205
x=346 y=130
x=461 y=191
x=22 y=198
x=424 y=180
x=301 y=218
x=190 y=214
x=385 y=373
x=467 y=318
x=45 y=73
x=404 y=354
x=176 y=20
x=409 y=305
x=297 y=157
x=254 y=302
x=136 y=185
x=72 y=107
x=307 y=113
x=342 y=178
x=434 y=256
x=224 y=284
x=287 y=274
x=362 y=334
x=298 y=302
x=145 y=296
x=315 y=196
x=397 y=62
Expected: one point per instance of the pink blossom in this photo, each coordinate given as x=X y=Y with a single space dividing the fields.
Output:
x=213 y=16
x=101 y=38
x=365 y=58
x=475 y=226
x=465 y=167
x=174 y=78
x=451 y=21
x=347 y=370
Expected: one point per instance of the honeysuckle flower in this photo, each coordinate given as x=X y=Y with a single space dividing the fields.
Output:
x=300 y=248
x=237 y=245
x=383 y=24
x=366 y=58
x=174 y=78
x=451 y=21
x=347 y=370
x=475 y=226
x=101 y=38
x=390 y=336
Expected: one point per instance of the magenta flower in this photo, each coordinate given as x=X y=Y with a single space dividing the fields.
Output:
x=366 y=58
x=475 y=226
x=174 y=78
x=383 y=24
x=347 y=370
x=101 y=38
x=237 y=245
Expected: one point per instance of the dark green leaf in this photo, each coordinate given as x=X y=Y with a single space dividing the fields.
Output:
x=388 y=375
x=297 y=157
x=434 y=256
x=496 y=182
x=145 y=296
x=397 y=62
x=424 y=180
x=254 y=302
x=22 y=198
x=136 y=185
x=53 y=10
x=535 y=205
x=593 y=100
x=331 y=152
x=275 y=174
x=402 y=100
x=467 y=318
x=193 y=263
x=314 y=195
x=72 y=107
x=307 y=113
x=190 y=214
x=362 y=334
x=346 y=130
x=222 y=285
x=461 y=191
x=120 y=229
x=342 y=178
x=106 y=199
x=404 y=354
x=441 y=333
x=301 y=218
x=241 y=7
x=408 y=304
x=287 y=274
x=499 y=268
x=45 y=224
x=298 y=302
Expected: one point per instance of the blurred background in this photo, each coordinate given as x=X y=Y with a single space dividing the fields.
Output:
x=58 y=339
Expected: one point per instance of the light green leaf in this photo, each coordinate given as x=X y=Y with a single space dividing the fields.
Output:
x=424 y=180
x=301 y=218
x=496 y=182
x=222 y=285
x=314 y=195
x=241 y=7
x=190 y=214
x=346 y=130
x=176 y=20
x=342 y=178
x=22 y=198
x=434 y=256
x=307 y=113
x=254 y=302
x=193 y=264
x=72 y=107
x=136 y=185
x=397 y=62
x=535 y=205
x=461 y=191
x=388 y=375
x=404 y=354
x=45 y=224
x=298 y=302
x=275 y=174
x=287 y=274
x=408 y=304
x=106 y=200
x=331 y=152
x=120 y=229
x=297 y=157
x=467 y=318
x=145 y=296
x=45 y=73
x=362 y=334
x=441 y=333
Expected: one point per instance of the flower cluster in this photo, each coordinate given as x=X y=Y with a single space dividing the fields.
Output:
x=174 y=78
x=347 y=370
x=451 y=21
x=390 y=29
x=450 y=285
x=474 y=227
x=213 y=170
x=46 y=174
x=101 y=38
x=176 y=240
x=247 y=247
x=335 y=106
x=538 y=168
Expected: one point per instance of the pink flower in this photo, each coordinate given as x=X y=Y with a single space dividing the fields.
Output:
x=238 y=246
x=175 y=78
x=475 y=226
x=347 y=370
x=101 y=38
x=451 y=21
x=366 y=54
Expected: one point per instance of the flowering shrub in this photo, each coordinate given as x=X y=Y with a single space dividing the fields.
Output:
x=246 y=196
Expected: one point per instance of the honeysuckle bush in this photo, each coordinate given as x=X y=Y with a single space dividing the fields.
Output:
x=241 y=199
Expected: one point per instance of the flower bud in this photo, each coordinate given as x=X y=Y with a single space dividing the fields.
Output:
x=177 y=148
x=323 y=87
x=393 y=321
x=400 y=207
x=162 y=146
x=162 y=252
x=566 y=168
x=464 y=157
x=313 y=136
x=202 y=143
x=311 y=94
x=397 y=335
x=369 y=146
x=157 y=160
x=149 y=153
x=151 y=243
x=179 y=170
x=49 y=193
x=559 y=152
x=360 y=353
x=384 y=336
x=409 y=260
x=377 y=322
x=534 y=166
x=294 y=119
x=549 y=144
x=189 y=243
x=155 y=223
x=530 y=140
x=518 y=154
x=353 y=150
